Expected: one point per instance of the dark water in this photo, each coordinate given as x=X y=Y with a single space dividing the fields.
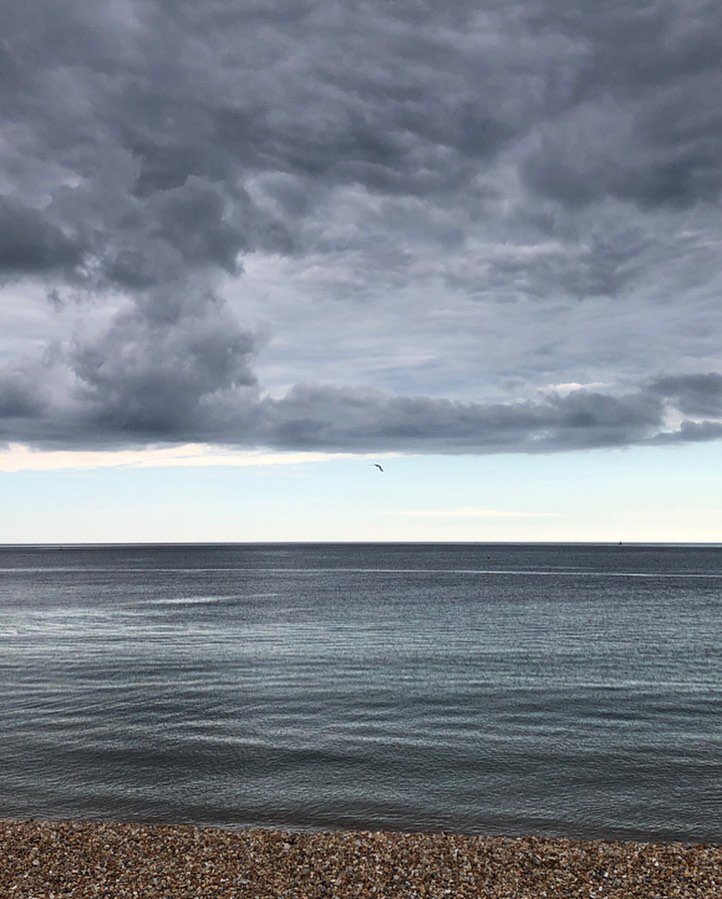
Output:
x=571 y=690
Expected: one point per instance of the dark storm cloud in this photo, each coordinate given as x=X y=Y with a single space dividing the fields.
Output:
x=699 y=394
x=149 y=148
x=333 y=418
x=693 y=432
x=29 y=244
x=18 y=399
x=645 y=123
x=162 y=368
x=195 y=384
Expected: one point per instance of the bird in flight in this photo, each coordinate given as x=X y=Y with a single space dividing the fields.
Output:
x=378 y=466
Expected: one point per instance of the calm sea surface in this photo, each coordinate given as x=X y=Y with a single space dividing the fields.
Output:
x=569 y=690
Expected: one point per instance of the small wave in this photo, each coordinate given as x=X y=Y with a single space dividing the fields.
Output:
x=186 y=601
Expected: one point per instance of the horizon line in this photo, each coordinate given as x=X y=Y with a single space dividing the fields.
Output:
x=75 y=544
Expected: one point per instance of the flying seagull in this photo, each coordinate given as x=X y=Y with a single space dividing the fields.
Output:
x=378 y=466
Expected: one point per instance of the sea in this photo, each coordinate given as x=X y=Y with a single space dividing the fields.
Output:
x=564 y=690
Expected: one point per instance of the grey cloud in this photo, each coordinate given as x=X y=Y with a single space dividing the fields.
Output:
x=643 y=125
x=172 y=377
x=389 y=98
x=161 y=369
x=193 y=221
x=401 y=99
x=30 y=244
x=18 y=400
x=182 y=229
x=581 y=160
x=334 y=418
x=694 y=432
x=603 y=263
x=625 y=49
x=696 y=394
x=524 y=151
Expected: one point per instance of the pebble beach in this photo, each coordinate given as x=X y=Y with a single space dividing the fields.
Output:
x=59 y=860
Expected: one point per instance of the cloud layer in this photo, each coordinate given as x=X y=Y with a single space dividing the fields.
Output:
x=347 y=227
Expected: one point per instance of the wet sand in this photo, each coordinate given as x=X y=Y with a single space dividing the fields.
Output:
x=50 y=860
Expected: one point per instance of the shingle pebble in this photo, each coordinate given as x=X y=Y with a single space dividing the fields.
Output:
x=60 y=860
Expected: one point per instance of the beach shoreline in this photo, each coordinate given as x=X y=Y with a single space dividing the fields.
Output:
x=78 y=859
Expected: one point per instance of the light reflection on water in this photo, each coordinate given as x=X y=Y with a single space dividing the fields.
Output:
x=569 y=690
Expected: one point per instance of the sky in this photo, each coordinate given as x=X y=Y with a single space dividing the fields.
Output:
x=247 y=250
